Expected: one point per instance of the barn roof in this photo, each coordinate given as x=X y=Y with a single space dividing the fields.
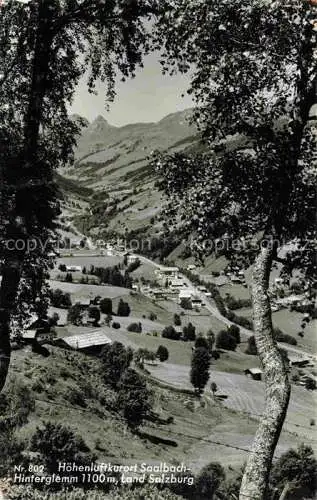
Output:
x=84 y=340
x=254 y=371
x=293 y=358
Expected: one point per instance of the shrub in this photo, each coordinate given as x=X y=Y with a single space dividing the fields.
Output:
x=209 y=480
x=298 y=467
x=123 y=309
x=60 y=299
x=199 y=373
x=18 y=402
x=76 y=397
x=75 y=315
x=106 y=306
x=202 y=342
x=210 y=339
x=251 y=348
x=54 y=319
x=112 y=276
x=133 y=398
x=94 y=313
x=143 y=354
x=135 y=327
x=162 y=353
x=226 y=341
x=233 y=303
x=69 y=278
x=10 y=450
x=177 y=320
x=241 y=320
x=234 y=330
x=310 y=384
x=57 y=443
x=219 y=302
x=115 y=360
x=189 y=332
x=38 y=387
x=169 y=332
x=116 y=325
x=152 y=317
x=213 y=388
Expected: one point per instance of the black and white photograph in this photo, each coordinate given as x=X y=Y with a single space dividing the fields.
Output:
x=158 y=230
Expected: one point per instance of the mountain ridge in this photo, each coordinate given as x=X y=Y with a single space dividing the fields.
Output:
x=112 y=164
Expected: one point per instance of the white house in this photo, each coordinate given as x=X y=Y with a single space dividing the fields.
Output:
x=196 y=301
x=177 y=283
x=185 y=294
x=74 y=269
x=131 y=259
x=167 y=272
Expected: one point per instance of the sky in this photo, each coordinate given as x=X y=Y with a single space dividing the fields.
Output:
x=147 y=98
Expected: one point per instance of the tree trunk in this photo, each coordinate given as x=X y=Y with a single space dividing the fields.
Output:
x=277 y=387
x=13 y=259
x=285 y=491
x=11 y=274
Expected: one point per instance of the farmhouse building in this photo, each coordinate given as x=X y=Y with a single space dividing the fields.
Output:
x=158 y=293
x=298 y=361
x=176 y=283
x=196 y=301
x=167 y=272
x=184 y=295
x=254 y=373
x=38 y=331
x=89 y=343
x=74 y=269
x=131 y=259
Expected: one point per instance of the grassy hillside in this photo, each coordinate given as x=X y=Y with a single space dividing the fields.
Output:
x=68 y=389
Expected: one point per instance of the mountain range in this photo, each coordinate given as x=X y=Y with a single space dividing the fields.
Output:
x=111 y=169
